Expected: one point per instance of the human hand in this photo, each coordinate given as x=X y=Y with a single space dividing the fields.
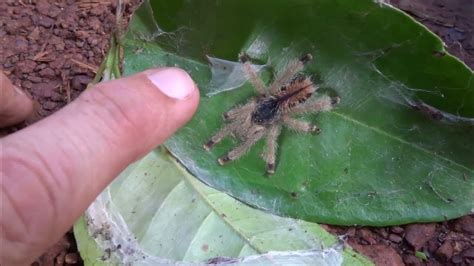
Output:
x=51 y=171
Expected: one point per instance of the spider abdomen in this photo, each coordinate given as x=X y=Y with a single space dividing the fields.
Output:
x=295 y=93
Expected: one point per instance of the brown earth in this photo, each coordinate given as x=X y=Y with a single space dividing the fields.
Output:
x=52 y=50
x=446 y=243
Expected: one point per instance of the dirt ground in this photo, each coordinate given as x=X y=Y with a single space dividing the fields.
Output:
x=52 y=49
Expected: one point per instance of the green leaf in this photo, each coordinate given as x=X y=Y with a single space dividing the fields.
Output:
x=155 y=213
x=378 y=161
x=421 y=255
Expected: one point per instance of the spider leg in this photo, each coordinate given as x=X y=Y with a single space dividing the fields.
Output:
x=322 y=104
x=290 y=71
x=300 y=126
x=222 y=133
x=239 y=111
x=256 y=82
x=270 y=155
x=242 y=148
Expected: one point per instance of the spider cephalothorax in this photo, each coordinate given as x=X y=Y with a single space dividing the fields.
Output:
x=264 y=115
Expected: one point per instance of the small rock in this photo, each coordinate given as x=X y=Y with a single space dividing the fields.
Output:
x=21 y=44
x=468 y=253
x=446 y=251
x=57 y=32
x=46 y=22
x=465 y=224
x=34 y=34
x=81 y=34
x=71 y=258
x=94 y=23
x=418 y=234
x=41 y=67
x=92 y=41
x=25 y=66
x=54 y=11
x=24 y=22
x=45 y=90
x=60 y=259
x=99 y=10
x=457 y=259
x=55 y=40
x=26 y=84
x=35 y=79
x=49 y=105
x=395 y=238
x=397 y=230
x=43 y=7
x=79 y=44
x=433 y=245
x=79 y=82
x=59 y=46
x=57 y=63
x=11 y=27
x=47 y=73
x=382 y=232
x=14 y=59
x=412 y=260
x=7 y=65
x=368 y=236
x=56 y=97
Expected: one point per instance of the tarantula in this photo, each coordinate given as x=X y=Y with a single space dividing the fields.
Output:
x=264 y=115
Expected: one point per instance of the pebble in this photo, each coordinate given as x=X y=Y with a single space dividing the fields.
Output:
x=418 y=234
x=465 y=224
x=34 y=34
x=21 y=44
x=26 y=84
x=382 y=232
x=368 y=236
x=35 y=79
x=445 y=251
x=79 y=82
x=397 y=230
x=71 y=258
x=46 y=22
x=47 y=73
x=395 y=238
x=49 y=105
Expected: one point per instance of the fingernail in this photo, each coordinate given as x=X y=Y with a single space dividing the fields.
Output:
x=174 y=82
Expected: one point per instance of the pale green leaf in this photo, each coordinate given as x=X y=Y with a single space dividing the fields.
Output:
x=155 y=212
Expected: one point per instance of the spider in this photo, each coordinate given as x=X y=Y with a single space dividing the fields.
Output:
x=273 y=107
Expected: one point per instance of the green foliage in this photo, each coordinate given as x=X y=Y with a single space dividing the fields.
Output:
x=171 y=216
x=421 y=255
x=378 y=161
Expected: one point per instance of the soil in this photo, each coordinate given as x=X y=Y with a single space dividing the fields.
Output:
x=446 y=243
x=452 y=20
x=52 y=49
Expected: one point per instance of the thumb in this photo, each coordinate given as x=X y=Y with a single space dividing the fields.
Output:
x=15 y=105
x=52 y=170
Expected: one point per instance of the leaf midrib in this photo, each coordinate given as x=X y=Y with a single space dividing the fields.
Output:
x=402 y=141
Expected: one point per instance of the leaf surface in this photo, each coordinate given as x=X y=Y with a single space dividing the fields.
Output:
x=156 y=213
x=378 y=161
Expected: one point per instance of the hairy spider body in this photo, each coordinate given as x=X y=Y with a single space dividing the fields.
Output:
x=264 y=115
